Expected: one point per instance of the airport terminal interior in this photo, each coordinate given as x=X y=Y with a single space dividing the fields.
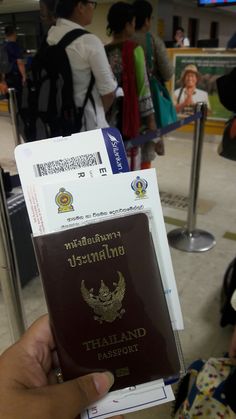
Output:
x=199 y=275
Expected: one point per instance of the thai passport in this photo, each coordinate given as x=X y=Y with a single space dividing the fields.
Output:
x=106 y=301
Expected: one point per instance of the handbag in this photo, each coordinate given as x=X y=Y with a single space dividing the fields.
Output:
x=228 y=314
x=226 y=88
x=165 y=112
x=207 y=390
x=227 y=147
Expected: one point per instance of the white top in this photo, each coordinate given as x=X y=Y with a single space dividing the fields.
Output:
x=86 y=54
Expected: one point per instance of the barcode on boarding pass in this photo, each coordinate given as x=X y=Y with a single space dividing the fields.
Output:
x=67 y=164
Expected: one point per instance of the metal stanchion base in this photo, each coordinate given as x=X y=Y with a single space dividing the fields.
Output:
x=196 y=241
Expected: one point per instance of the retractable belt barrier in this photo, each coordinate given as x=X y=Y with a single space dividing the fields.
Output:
x=151 y=135
x=188 y=239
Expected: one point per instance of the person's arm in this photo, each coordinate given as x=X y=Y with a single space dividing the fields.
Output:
x=180 y=106
x=21 y=68
x=143 y=89
x=182 y=98
x=100 y=67
x=20 y=62
x=107 y=100
x=186 y=42
x=163 y=65
x=151 y=122
x=27 y=380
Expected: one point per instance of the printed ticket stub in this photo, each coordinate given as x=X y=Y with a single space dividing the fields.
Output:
x=81 y=156
x=129 y=400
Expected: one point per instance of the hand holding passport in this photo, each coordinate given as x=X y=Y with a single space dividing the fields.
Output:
x=109 y=285
x=106 y=301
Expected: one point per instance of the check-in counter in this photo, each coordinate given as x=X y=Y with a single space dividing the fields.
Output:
x=3 y=105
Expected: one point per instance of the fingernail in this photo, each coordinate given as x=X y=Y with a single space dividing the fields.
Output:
x=103 y=382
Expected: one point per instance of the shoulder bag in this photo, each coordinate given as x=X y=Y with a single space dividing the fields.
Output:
x=165 y=112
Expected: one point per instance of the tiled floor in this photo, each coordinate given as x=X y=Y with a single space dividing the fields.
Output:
x=198 y=275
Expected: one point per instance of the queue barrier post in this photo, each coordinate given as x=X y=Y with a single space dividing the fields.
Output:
x=13 y=114
x=191 y=239
x=9 y=274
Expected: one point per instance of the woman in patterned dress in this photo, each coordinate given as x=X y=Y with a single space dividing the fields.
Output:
x=132 y=112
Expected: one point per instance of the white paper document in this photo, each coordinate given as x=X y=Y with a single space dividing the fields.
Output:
x=85 y=155
x=130 y=400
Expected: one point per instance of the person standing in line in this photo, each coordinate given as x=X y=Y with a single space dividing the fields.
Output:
x=16 y=77
x=133 y=111
x=181 y=41
x=162 y=68
x=86 y=55
x=143 y=15
x=48 y=13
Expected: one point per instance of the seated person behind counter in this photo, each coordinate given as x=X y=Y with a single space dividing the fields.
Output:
x=180 y=40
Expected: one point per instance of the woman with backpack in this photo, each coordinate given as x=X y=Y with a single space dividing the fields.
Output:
x=132 y=112
x=86 y=57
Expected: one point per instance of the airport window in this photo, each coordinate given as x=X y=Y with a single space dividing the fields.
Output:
x=193 y=28
x=176 y=22
x=28 y=28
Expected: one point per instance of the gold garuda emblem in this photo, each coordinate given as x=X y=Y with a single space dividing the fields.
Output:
x=64 y=201
x=107 y=304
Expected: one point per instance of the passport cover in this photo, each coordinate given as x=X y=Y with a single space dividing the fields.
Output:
x=106 y=301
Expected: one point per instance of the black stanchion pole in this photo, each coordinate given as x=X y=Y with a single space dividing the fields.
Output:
x=13 y=114
x=9 y=276
x=190 y=239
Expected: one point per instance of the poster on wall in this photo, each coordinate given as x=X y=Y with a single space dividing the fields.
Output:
x=195 y=81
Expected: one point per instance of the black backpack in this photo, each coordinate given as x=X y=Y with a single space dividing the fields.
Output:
x=228 y=314
x=48 y=107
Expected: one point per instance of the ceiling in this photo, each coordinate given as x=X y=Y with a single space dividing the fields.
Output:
x=11 y=6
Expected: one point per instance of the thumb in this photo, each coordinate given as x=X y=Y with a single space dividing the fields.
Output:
x=69 y=399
